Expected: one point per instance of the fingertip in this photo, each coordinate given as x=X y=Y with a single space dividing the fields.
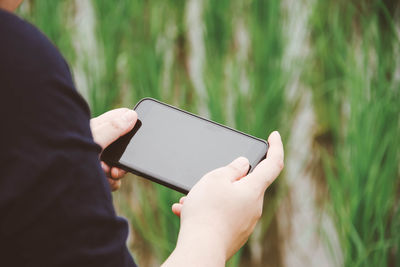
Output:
x=275 y=135
x=243 y=160
x=176 y=209
x=117 y=173
x=237 y=169
x=130 y=116
x=240 y=163
x=114 y=172
x=275 y=146
x=265 y=173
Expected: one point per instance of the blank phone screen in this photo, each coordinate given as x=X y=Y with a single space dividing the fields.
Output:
x=178 y=148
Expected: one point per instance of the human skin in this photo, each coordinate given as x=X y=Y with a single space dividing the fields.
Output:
x=10 y=5
x=107 y=128
x=221 y=210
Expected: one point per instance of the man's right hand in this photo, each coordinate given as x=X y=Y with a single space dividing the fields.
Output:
x=222 y=209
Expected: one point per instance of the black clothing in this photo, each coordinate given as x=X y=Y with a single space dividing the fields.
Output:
x=55 y=201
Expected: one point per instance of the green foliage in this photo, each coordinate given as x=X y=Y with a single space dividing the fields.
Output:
x=49 y=16
x=357 y=99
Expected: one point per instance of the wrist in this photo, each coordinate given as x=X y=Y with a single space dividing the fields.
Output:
x=197 y=249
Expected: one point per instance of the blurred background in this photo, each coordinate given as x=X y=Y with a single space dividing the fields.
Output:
x=325 y=73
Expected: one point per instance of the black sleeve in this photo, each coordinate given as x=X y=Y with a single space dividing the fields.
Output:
x=55 y=202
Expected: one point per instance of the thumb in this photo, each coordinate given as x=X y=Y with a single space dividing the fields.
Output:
x=115 y=127
x=237 y=169
x=268 y=169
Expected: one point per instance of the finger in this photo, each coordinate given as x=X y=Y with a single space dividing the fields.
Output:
x=182 y=200
x=110 y=131
x=105 y=168
x=236 y=169
x=268 y=169
x=109 y=115
x=117 y=173
x=177 y=209
x=114 y=184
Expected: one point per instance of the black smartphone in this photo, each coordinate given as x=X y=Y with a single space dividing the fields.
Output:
x=176 y=148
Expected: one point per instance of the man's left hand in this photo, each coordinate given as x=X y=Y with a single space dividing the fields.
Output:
x=107 y=128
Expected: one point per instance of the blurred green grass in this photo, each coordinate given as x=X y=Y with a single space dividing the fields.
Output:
x=145 y=49
x=356 y=96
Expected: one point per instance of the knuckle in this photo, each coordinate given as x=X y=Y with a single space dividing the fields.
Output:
x=234 y=169
x=268 y=183
x=252 y=191
x=116 y=124
x=259 y=213
x=280 y=164
x=216 y=173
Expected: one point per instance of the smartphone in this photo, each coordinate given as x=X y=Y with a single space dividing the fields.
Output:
x=176 y=148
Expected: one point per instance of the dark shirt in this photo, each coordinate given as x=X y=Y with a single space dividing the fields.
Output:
x=55 y=202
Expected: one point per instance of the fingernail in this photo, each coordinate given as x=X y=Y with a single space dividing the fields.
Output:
x=241 y=163
x=277 y=134
x=129 y=116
